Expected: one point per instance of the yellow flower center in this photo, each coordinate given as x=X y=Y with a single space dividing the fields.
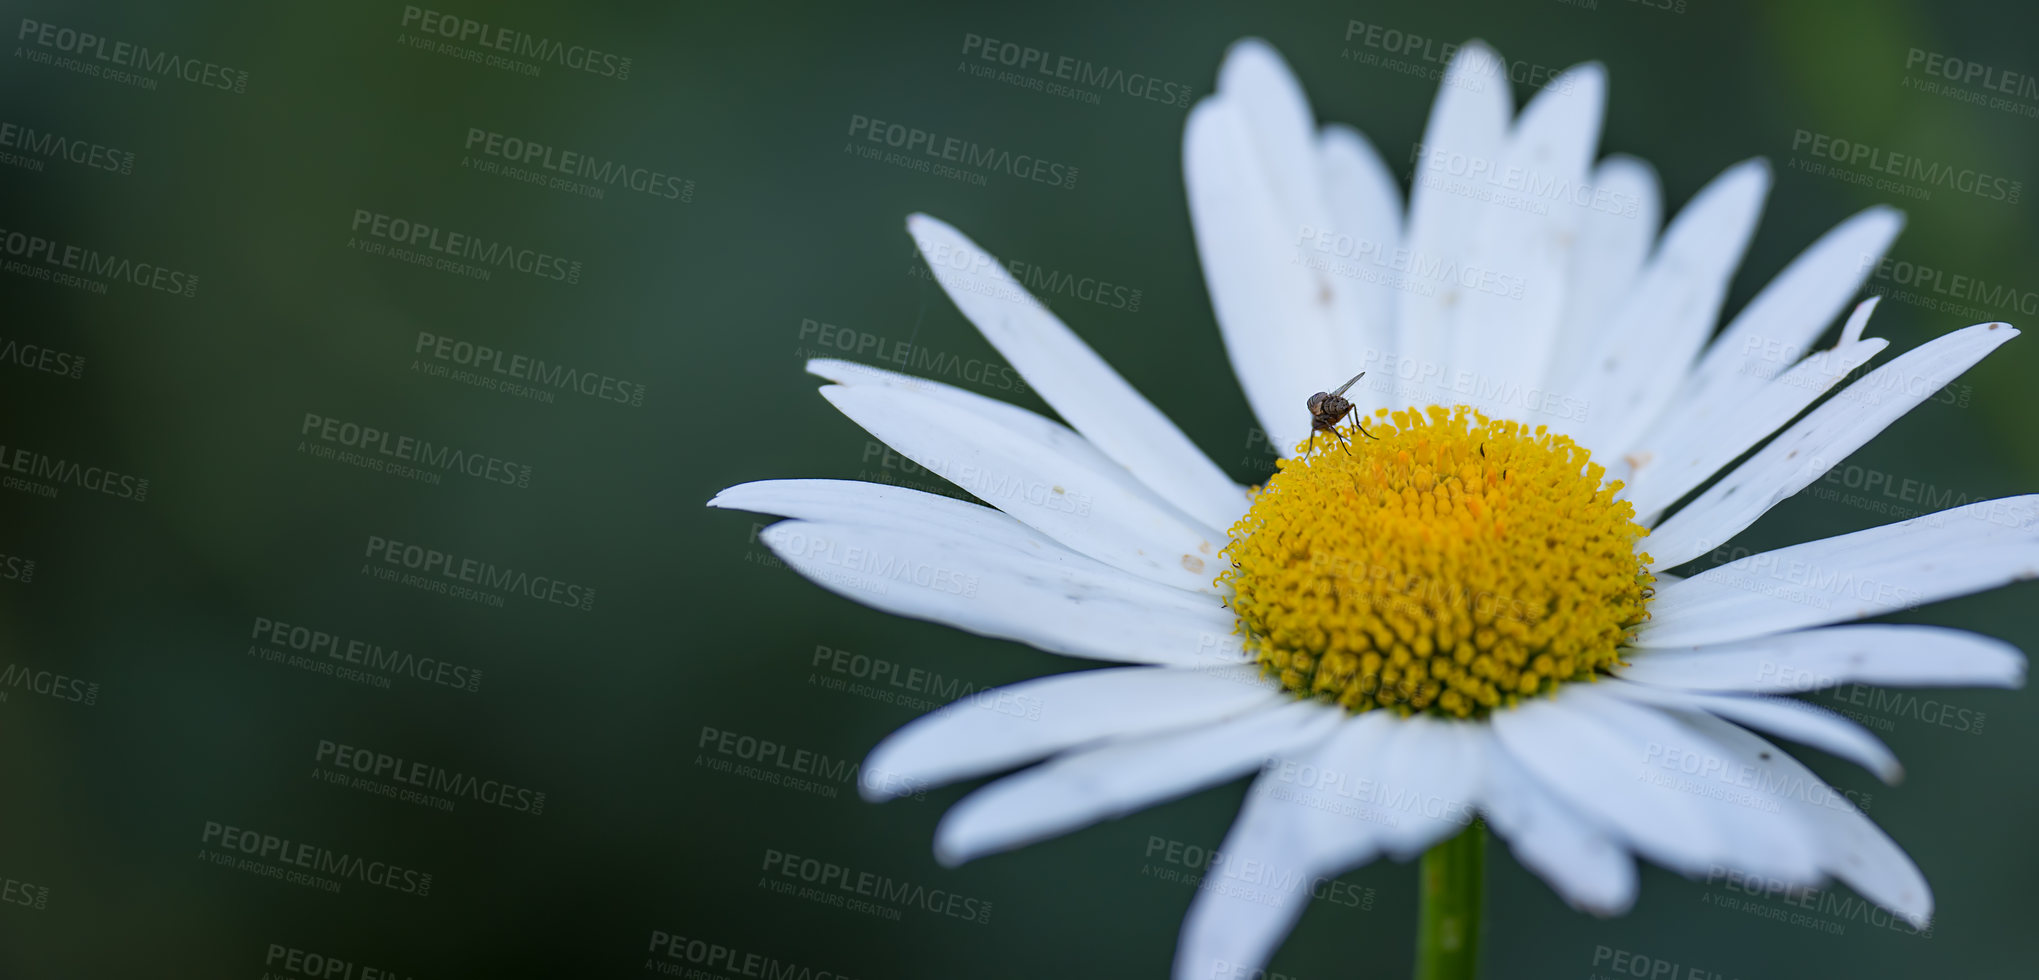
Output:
x=1452 y=565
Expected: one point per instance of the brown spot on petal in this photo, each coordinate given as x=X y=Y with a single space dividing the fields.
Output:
x=1193 y=563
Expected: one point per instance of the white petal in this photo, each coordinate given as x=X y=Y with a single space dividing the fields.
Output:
x=1673 y=306
x=1503 y=330
x=1817 y=442
x=1099 y=511
x=1732 y=414
x=1620 y=763
x=1366 y=210
x=1614 y=240
x=1258 y=84
x=1587 y=764
x=1275 y=312
x=1892 y=655
x=1050 y=598
x=1852 y=576
x=881 y=505
x=1255 y=198
x=1084 y=787
x=1297 y=826
x=1018 y=723
x=1426 y=777
x=1763 y=836
x=1074 y=380
x=1468 y=124
x=1846 y=843
x=972 y=406
x=975 y=568
x=1783 y=320
x=1581 y=860
x=1800 y=722
x=1691 y=444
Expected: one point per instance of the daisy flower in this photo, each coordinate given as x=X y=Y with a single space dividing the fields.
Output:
x=1459 y=617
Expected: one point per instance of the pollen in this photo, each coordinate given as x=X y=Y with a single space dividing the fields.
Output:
x=1453 y=564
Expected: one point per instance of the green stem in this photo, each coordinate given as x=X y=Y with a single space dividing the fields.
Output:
x=1451 y=890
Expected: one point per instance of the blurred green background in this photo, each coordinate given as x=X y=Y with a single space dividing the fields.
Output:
x=701 y=298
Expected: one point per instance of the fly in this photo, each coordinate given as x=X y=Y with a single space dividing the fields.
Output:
x=1328 y=408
